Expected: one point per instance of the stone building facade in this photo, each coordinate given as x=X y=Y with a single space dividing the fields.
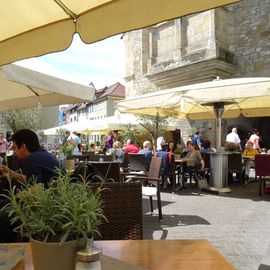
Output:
x=229 y=42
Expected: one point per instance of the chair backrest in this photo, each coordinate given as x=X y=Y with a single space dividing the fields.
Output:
x=81 y=158
x=262 y=165
x=206 y=158
x=107 y=157
x=98 y=171
x=165 y=161
x=137 y=162
x=235 y=162
x=108 y=170
x=97 y=157
x=93 y=157
x=124 y=165
x=122 y=206
x=155 y=168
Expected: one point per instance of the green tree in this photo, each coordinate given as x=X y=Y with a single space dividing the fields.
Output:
x=156 y=125
x=19 y=119
x=131 y=133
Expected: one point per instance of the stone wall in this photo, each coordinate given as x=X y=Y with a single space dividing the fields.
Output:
x=231 y=41
x=250 y=40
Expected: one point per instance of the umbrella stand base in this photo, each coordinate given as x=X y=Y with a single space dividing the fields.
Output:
x=221 y=190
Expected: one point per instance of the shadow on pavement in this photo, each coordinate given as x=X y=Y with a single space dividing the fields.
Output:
x=152 y=224
x=244 y=191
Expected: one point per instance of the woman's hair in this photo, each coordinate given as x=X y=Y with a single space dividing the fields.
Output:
x=188 y=143
x=116 y=144
x=110 y=132
x=206 y=144
x=174 y=146
x=192 y=143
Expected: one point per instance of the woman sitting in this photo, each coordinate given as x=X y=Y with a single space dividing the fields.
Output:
x=194 y=163
x=249 y=155
x=195 y=158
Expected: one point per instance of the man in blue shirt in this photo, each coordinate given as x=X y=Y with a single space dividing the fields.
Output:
x=197 y=139
x=38 y=165
x=147 y=152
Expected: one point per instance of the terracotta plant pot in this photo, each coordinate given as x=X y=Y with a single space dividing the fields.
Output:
x=54 y=256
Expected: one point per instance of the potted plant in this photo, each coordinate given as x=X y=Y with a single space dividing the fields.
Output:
x=177 y=153
x=67 y=150
x=57 y=220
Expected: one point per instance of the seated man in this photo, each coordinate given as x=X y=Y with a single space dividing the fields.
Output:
x=38 y=165
x=162 y=153
x=131 y=147
x=249 y=155
x=147 y=152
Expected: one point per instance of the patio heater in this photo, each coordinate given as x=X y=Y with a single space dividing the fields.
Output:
x=219 y=110
x=219 y=160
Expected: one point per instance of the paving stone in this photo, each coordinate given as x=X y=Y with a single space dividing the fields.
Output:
x=237 y=224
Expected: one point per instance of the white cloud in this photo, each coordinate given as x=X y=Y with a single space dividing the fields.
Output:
x=102 y=62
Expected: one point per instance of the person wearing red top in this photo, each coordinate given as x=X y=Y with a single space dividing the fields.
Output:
x=131 y=147
x=171 y=148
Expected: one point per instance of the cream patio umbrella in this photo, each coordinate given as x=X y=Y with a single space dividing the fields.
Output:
x=30 y=88
x=212 y=100
x=32 y=28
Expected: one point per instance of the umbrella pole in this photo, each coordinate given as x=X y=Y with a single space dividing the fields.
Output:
x=218 y=132
x=219 y=109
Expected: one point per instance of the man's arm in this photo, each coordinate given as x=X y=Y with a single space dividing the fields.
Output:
x=6 y=172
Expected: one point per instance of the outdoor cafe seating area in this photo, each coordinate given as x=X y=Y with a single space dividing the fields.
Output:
x=135 y=165
x=131 y=181
x=124 y=191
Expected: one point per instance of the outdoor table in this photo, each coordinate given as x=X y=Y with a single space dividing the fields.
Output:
x=248 y=161
x=156 y=254
x=181 y=163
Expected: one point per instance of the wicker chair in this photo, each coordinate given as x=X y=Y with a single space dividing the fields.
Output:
x=137 y=162
x=97 y=157
x=122 y=206
x=107 y=170
x=95 y=171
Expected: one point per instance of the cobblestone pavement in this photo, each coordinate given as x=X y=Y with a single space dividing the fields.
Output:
x=237 y=223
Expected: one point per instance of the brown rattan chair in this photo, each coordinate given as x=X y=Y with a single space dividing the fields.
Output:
x=107 y=170
x=81 y=158
x=122 y=206
x=262 y=169
x=98 y=157
x=151 y=183
x=137 y=162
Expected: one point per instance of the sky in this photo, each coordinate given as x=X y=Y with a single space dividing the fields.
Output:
x=102 y=63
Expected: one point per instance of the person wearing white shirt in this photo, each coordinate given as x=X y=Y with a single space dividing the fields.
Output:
x=234 y=138
x=254 y=138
